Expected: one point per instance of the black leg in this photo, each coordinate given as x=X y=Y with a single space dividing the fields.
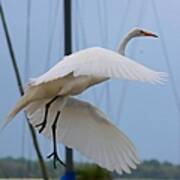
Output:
x=42 y=125
x=54 y=153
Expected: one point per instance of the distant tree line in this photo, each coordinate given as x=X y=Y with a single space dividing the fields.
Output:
x=155 y=169
x=21 y=168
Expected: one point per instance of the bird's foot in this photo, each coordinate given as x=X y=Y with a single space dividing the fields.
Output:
x=41 y=125
x=55 y=159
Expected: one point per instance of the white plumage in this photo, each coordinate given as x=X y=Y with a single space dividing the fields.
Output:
x=85 y=128
x=100 y=62
x=81 y=125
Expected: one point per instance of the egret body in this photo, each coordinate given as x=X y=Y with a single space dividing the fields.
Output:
x=76 y=123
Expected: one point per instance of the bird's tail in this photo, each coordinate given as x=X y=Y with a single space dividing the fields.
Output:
x=22 y=103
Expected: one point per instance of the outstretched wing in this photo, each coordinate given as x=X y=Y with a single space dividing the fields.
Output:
x=85 y=128
x=100 y=62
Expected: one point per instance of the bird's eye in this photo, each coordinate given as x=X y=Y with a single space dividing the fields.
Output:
x=141 y=31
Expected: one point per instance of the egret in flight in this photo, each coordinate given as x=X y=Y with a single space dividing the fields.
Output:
x=77 y=124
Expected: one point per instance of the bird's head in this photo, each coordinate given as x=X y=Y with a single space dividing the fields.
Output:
x=138 y=32
x=135 y=32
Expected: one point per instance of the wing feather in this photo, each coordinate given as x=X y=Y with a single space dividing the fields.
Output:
x=85 y=128
x=100 y=62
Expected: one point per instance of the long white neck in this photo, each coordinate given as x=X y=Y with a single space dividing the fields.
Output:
x=124 y=42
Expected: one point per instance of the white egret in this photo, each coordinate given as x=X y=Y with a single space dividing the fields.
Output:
x=81 y=125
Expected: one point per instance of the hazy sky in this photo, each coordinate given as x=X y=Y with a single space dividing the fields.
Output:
x=148 y=114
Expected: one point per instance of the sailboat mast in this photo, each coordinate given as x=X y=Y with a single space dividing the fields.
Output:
x=67 y=51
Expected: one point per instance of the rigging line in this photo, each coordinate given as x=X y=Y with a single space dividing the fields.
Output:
x=100 y=20
x=103 y=22
x=82 y=27
x=76 y=47
x=166 y=55
x=125 y=14
x=106 y=27
x=102 y=35
x=49 y=28
x=61 y=32
x=81 y=30
x=61 y=54
x=167 y=60
x=20 y=87
x=76 y=36
x=26 y=70
x=27 y=41
x=125 y=84
x=51 y=35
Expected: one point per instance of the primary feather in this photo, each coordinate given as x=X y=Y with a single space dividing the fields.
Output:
x=81 y=125
x=85 y=128
x=100 y=62
x=76 y=72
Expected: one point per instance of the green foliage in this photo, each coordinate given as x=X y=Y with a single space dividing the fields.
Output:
x=20 y=168
x=155 y=169
x=89 y=172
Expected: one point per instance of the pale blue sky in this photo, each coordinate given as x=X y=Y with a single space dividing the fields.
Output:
x=149 y=114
